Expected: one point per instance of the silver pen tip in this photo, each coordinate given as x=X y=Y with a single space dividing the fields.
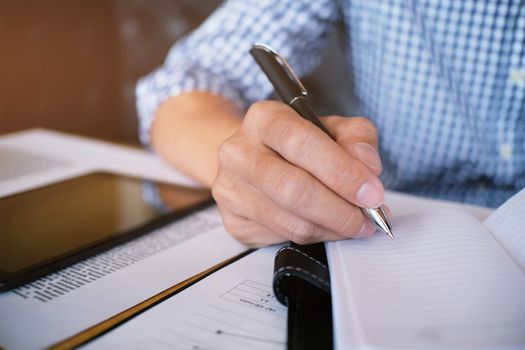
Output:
x=390 y=234
x=379 y=218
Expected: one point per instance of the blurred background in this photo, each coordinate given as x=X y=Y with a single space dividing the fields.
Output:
x=72 y=65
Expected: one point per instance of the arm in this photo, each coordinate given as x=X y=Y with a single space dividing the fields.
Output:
x=191 y=127
x=274 y=175
x=215 y=59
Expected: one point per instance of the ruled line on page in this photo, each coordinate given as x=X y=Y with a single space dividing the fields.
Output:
x=443 y=270
x=507 y=225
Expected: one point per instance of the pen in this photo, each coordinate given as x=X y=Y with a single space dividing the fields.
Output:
x=292 y=92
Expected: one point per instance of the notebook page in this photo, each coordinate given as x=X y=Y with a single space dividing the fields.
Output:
x=443 y=283
x=507 y=225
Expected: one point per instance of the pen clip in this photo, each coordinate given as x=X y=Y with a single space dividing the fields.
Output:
x=286 y=67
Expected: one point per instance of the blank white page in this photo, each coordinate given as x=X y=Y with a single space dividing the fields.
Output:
x=443 y=283
x=507 y=225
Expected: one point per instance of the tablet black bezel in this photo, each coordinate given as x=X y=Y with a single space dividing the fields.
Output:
x=10 y=280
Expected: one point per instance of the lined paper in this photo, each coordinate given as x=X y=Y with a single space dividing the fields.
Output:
x=507 y=225
x=444 y=282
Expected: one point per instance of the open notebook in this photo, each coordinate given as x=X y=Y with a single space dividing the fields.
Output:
x=447 y=281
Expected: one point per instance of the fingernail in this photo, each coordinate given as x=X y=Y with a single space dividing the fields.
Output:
x=370 y=194
x=367 y=230
x=368 y=155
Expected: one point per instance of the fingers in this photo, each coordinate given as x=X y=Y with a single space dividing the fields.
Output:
x=352 y=130
x=249 y=232
x=260 y=221
x=298 y=192
x=281 y=178
x=281 y=197
x=358 y=136
x=309 y=148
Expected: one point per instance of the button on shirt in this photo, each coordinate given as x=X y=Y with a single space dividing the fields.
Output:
x=443 y=80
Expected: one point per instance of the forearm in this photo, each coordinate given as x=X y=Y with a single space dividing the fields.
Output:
x=188 y=130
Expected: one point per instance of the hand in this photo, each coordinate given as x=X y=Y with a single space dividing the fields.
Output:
x=282 y=178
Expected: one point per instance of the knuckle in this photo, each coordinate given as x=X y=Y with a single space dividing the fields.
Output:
x=334 y=121
x=301 y=232
x=258 y=107
x=259 y=112
x=232 y=153
x=292 y=191
x=228 y=150
x=217 y=191
x=244 y=161
x=225 y=192
x=297 y=141
x=238 y=228
x=229 y=223
x=235 y=230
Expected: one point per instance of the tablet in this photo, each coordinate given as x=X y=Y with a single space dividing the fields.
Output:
x=48 y=228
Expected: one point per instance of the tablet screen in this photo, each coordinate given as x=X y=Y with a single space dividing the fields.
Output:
x=40 y=226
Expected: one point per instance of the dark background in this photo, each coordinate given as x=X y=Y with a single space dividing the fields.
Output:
x=72 y=65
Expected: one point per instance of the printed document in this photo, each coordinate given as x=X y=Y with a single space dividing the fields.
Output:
x=233 y=308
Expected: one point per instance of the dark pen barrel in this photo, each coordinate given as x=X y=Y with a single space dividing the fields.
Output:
x=285 y=85
x=292 y=92
x=303 y=108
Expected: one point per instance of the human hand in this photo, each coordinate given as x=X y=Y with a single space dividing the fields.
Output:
x=282 y=178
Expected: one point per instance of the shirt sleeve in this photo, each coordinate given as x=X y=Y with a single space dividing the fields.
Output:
x=215 y=57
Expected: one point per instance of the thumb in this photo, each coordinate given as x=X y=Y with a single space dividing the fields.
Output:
x=358 y=136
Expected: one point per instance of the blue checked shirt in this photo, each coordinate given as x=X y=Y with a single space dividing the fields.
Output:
x=443 y=80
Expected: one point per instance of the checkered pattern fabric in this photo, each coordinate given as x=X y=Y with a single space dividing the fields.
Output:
x=444 y=81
